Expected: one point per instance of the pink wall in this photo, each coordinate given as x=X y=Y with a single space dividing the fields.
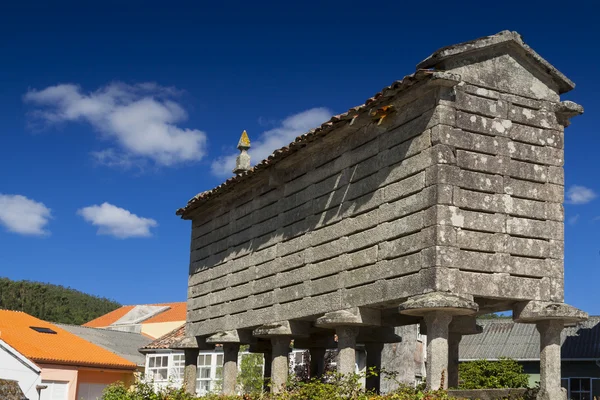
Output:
x=61 y=373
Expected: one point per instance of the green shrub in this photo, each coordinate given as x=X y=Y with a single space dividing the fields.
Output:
x=484 y=374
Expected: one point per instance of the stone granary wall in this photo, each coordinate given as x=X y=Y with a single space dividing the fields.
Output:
x=449 y=181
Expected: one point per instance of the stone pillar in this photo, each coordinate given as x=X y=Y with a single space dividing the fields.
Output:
x=268 y=355
x=279 y=362
x=437 y=349
x=550 y=388
x=374 y=361
x=317 y=362
x=190 y=370
x=230 y=367
x=346 y=358
x=453 y=345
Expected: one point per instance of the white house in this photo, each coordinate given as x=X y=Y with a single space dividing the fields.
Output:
x=15 y=366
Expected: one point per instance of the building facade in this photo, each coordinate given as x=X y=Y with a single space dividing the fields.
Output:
x=438 y=199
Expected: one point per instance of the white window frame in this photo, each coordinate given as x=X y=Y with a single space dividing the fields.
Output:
x=175 y=370
x=419 y=336
x=211 y=383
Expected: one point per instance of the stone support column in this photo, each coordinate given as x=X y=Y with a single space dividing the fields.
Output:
x=346 y=358
x=279 y=362
x=190 y=370
x=230 y=367
x=549 y=318
x=374 y=361
x=317 y=361
x=550 y=388
x=453 y=346
x=268 y=356
x=437 y=349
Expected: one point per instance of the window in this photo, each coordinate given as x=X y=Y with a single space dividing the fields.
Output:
x=177 y=367
x=580 y=389
x=41 y=329
x=158 y=367
x=210 y=373
x=419 y=336
x=167 y=370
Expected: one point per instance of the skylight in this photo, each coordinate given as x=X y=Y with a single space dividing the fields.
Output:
x=41 y=329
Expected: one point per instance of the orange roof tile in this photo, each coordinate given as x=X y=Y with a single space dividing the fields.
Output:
x=107 y=319
x=61 y=348
x=177 y=312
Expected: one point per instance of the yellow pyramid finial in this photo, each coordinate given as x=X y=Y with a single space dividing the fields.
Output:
x=244 y=142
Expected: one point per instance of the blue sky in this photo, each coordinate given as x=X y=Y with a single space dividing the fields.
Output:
x=112 y=116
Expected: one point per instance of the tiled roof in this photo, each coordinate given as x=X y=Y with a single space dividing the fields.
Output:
x=124 y=344
x=302 y=140
x=61 y=347
x=165 y=341
x=107 y=319
x=504 y=338
x=176 y=312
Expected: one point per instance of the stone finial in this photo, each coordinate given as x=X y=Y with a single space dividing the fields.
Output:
x=242 y=163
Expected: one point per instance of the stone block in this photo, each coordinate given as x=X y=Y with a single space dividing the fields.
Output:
x=480 y=105
x=537 y=118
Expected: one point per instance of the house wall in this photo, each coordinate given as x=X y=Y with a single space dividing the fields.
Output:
x=13 y=368
x=63 y=374
x=158 y=329
x=406 y=359
x=101 y=378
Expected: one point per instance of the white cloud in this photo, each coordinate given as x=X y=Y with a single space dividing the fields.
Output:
x=141 y=119
x=21 y=215
x=580 y=195
x=273 y=139
x=118 y=222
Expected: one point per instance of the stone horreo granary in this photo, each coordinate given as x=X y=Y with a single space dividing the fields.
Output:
x=438 y=199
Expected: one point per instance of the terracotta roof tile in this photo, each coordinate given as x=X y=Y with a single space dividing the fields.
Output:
x=107 y=319
x=61 y=347
x=165 y=341
x=176 y=312
x=316 y=133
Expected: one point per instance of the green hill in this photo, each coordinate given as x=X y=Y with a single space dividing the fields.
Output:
x=52 y=302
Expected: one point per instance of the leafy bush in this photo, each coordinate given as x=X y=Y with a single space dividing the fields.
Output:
x=337 y=387
x=484 y=374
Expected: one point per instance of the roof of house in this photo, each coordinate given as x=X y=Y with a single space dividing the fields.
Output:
x=165 y=341
x=144 y=314
x=10 y=390
x=107 y=319
x=48 y=343
x=124 y=344
x=504 y=338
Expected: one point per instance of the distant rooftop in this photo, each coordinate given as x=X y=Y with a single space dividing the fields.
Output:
x=504 y=338
x=141 y=314
x=124 y=344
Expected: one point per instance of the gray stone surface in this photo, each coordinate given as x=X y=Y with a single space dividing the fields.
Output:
x=442 y=192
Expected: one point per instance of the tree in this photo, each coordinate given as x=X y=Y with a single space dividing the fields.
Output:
x=484 y=374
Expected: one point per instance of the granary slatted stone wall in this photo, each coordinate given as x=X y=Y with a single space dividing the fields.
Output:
x=459 y=190
x=350 y=224
x=502 y=233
